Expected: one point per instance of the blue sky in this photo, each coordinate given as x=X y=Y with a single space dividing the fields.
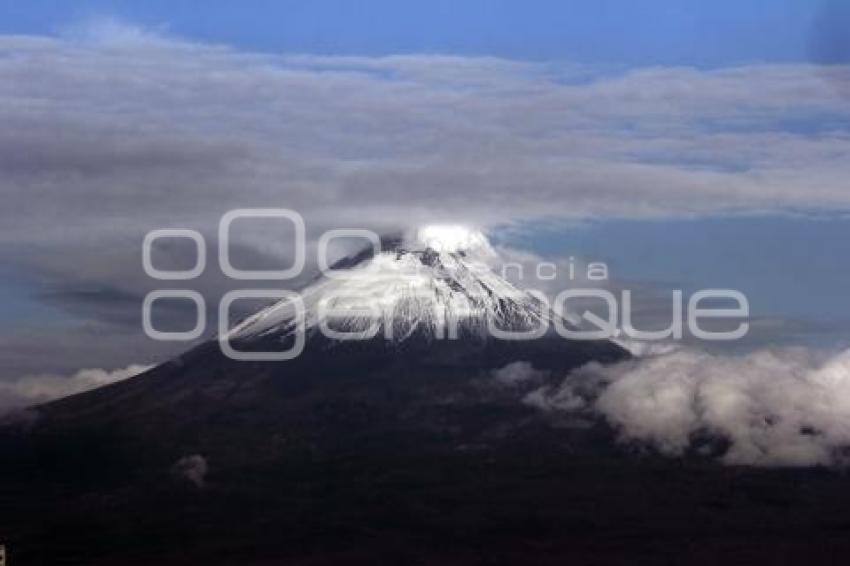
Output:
x=787 y=266
x=764 y=137
x=612 y=32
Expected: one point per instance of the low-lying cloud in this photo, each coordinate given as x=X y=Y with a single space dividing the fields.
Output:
x=191 y=468
x=516 y=374
x=786 y=407
x=31 y=390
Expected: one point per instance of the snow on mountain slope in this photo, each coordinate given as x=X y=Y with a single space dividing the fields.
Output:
x=437 y=280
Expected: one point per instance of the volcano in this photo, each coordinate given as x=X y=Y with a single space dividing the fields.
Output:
x=422 y=313
x=396 y=435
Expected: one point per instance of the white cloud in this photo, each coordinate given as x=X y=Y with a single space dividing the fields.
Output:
x=34 y=389
x=786 y=407
x=548 y=399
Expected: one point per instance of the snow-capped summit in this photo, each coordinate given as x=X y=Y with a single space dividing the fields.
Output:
x=434 y=281
x=449 y=239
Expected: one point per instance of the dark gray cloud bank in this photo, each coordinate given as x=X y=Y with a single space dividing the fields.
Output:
x=108 y=135
x=114 y=131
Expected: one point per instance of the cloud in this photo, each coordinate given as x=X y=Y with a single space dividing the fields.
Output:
x=114 y=133
x=35 y=389
x=547 y=399
x=191 y=468
x=517 y=373
x=787 y=407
